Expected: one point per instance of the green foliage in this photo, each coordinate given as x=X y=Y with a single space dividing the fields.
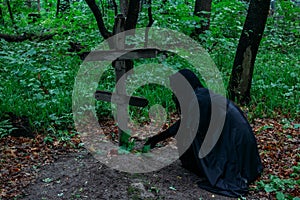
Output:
x=176 y=15
x=276 y=82
x=232 y=14
x=63 y=136
x=125 y=138
x=5 y=128
x=36 y=84
x=146 y=148
x=281 y=186
x=37 y=77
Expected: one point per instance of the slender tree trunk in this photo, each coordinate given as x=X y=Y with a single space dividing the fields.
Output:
x=39 y=5
x=124 y=7
x=132 y=16
x=10 y=12
x=151 y=21
x=202 y=10
x=130 y=24
x=1 y=15
x=99 y=18
x=115 y=7
x=243 y=66
x=57 y=7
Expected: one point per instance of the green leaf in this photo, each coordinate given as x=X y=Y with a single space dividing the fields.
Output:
x=60 y=194
x=146 y=148
x=280 y=196
x=296 y=126
x=47 y=180
x=172 y=188
x=269 y=188
x=124 y=137
x=267 y=127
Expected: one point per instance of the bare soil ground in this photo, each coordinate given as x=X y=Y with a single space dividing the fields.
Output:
x=80 y=176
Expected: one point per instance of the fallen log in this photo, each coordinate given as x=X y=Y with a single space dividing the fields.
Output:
x=26 y=36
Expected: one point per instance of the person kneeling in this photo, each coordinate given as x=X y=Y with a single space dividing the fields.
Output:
x=225 y=155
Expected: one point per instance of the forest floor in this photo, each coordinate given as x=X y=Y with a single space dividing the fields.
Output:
x=32 y=169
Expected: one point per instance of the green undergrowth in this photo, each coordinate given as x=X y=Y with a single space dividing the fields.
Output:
x=280 y=186
x=37 y=77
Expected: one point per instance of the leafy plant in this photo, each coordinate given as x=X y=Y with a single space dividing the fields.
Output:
x=5 y=128
x=279 y=186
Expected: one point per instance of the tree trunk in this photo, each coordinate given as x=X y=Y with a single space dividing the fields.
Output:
x=57 y=7
x=115 y=6
x=202 y=10
x=99 y=18
x=10 y=12
x=39 y=5
x=124 y=7
x=1 y=16
x=151 y=21
x=132 y=16
x=243 y=66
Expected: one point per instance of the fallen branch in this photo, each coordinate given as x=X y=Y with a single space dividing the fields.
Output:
x=26 y=36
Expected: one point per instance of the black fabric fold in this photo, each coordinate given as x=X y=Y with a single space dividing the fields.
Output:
x=234 y=162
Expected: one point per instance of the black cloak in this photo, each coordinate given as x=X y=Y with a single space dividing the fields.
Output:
x=233 y=162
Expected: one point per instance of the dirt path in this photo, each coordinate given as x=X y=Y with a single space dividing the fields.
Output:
x=58 y=170
x=80 y=176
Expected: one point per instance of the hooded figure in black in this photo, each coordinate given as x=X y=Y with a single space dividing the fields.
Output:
x=230 y=160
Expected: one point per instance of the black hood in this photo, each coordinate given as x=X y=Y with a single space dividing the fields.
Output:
x=188 y=75
x=184 y=83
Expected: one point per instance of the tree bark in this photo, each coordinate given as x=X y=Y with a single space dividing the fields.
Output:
x=99 y=18
x=132 y=16
x=124 y=7
x=39 y=5
x=115 y=7
x=10 y=12
x=57 y=7
x=202 y=10
x=243 y=66
x=1 y=16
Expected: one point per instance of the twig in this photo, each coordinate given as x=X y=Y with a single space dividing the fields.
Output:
x=151 y=21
